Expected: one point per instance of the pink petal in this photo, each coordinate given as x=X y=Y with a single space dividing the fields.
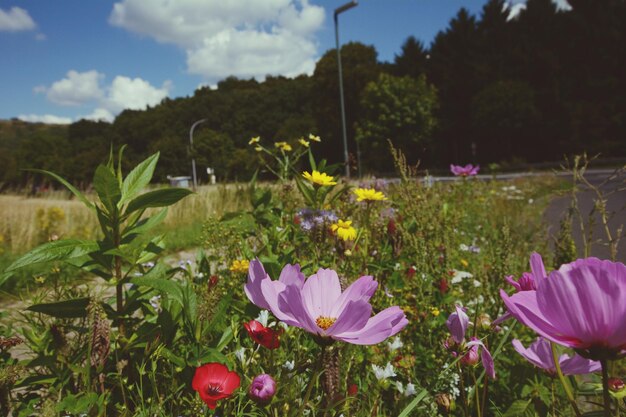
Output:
x=383 y=325
x=353 y=318
x=321 y=292
x=256 y=274
x=363 y=288
x=291 y=275
x=291 y=303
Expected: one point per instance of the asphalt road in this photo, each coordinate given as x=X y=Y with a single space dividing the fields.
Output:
x=616 y=205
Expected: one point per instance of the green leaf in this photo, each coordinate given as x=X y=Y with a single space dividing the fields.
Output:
x=306 y=192
x=518 y=408
x=227 y=336
x=107 y=187
x=418 y=398
x=138 y=178
x=165 y=286
x=158 y=198
x=147 y=223
x=69 y=186
x=60 y=250
x=63 y=309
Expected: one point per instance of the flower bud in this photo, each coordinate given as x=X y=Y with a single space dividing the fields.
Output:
x=444 y=402
x=262 y=389
x=616 y=384
x=353 y=389
x=471 y=357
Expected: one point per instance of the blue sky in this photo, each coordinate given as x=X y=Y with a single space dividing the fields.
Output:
x=67 y=59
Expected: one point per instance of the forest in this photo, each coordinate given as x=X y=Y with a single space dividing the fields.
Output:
x=488 y=89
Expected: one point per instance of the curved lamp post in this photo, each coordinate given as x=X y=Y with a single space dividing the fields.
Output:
x=338 y=11
x=193 y=160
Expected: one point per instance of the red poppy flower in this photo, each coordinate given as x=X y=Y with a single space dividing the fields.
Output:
x=264 y=336
x=214 y=382
x=353 y=389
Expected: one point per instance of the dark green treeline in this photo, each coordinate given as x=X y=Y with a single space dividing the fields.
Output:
x=488 y=89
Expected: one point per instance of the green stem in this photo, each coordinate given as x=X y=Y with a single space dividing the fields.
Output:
x=309 y=388
x=605 y=388
x=478 y=413
x=564 y=382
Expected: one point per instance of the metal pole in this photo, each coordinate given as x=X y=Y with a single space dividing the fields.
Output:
x=339 y=10
x=193 y=161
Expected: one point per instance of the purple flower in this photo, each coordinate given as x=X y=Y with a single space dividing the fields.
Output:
x=467 y=171
x=318 y=305
x=311 y=219
x=527 y=282
x=457 y=324
x=262 y=389
x=540 y=355
x=263 y=291
x=581 y=306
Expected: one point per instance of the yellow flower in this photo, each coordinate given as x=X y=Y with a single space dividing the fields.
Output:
x=258 y=148
x=314 y=138
x=254 y=140
x=303 y=142
x=368 y=194
x=284 y=146
x=464 y=263
x=239 y=266
x=344 y=230
x=319 y=178
x=434 y=311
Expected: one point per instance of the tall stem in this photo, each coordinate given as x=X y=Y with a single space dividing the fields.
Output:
x=564 y=382
x=476 y=391
x=605 y=388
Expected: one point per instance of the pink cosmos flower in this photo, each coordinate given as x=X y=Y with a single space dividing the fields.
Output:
x=458 y=323
x=318 y=305
x=468 y=170
x=540 y=355
x=527 y=282
x=581 y=306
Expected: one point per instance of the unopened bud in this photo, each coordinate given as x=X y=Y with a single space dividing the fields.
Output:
x=616 y=384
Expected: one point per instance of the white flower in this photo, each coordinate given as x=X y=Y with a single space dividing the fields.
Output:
x=410 y=390
x=397 y=266
x=396 y=344
x=384 y=373
x=288 y=365
x=459 y=276
x=400 y=387
x=155 y=302
x=241 y=355
x=263 y=317
x=477 y=283
x=283 y=325
x=464 y=247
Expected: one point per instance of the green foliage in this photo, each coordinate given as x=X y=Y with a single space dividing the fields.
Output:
x=398 y=108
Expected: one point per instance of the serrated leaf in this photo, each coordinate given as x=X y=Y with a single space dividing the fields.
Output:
x=63 y=309
x=158 y=198
x=138 y=178
x=67 y=185
x=107 y=187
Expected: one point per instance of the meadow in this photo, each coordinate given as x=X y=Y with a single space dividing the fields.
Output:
x=413 y=305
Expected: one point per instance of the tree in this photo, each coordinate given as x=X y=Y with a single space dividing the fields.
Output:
x=397 y=108
x=359 y=68
x=412 y=60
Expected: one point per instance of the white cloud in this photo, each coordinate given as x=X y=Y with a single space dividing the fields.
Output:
x=16 y=20
x=75 y=89
x=246 y=38
x=516 y=6
x=135 y=94
x=87 y=88
x=99 y=114
x=46 y=118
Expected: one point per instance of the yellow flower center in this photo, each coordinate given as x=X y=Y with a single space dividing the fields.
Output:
x=325 y=322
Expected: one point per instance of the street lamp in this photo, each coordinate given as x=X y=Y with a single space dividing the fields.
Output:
x=193 y=160
x=338 y=11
